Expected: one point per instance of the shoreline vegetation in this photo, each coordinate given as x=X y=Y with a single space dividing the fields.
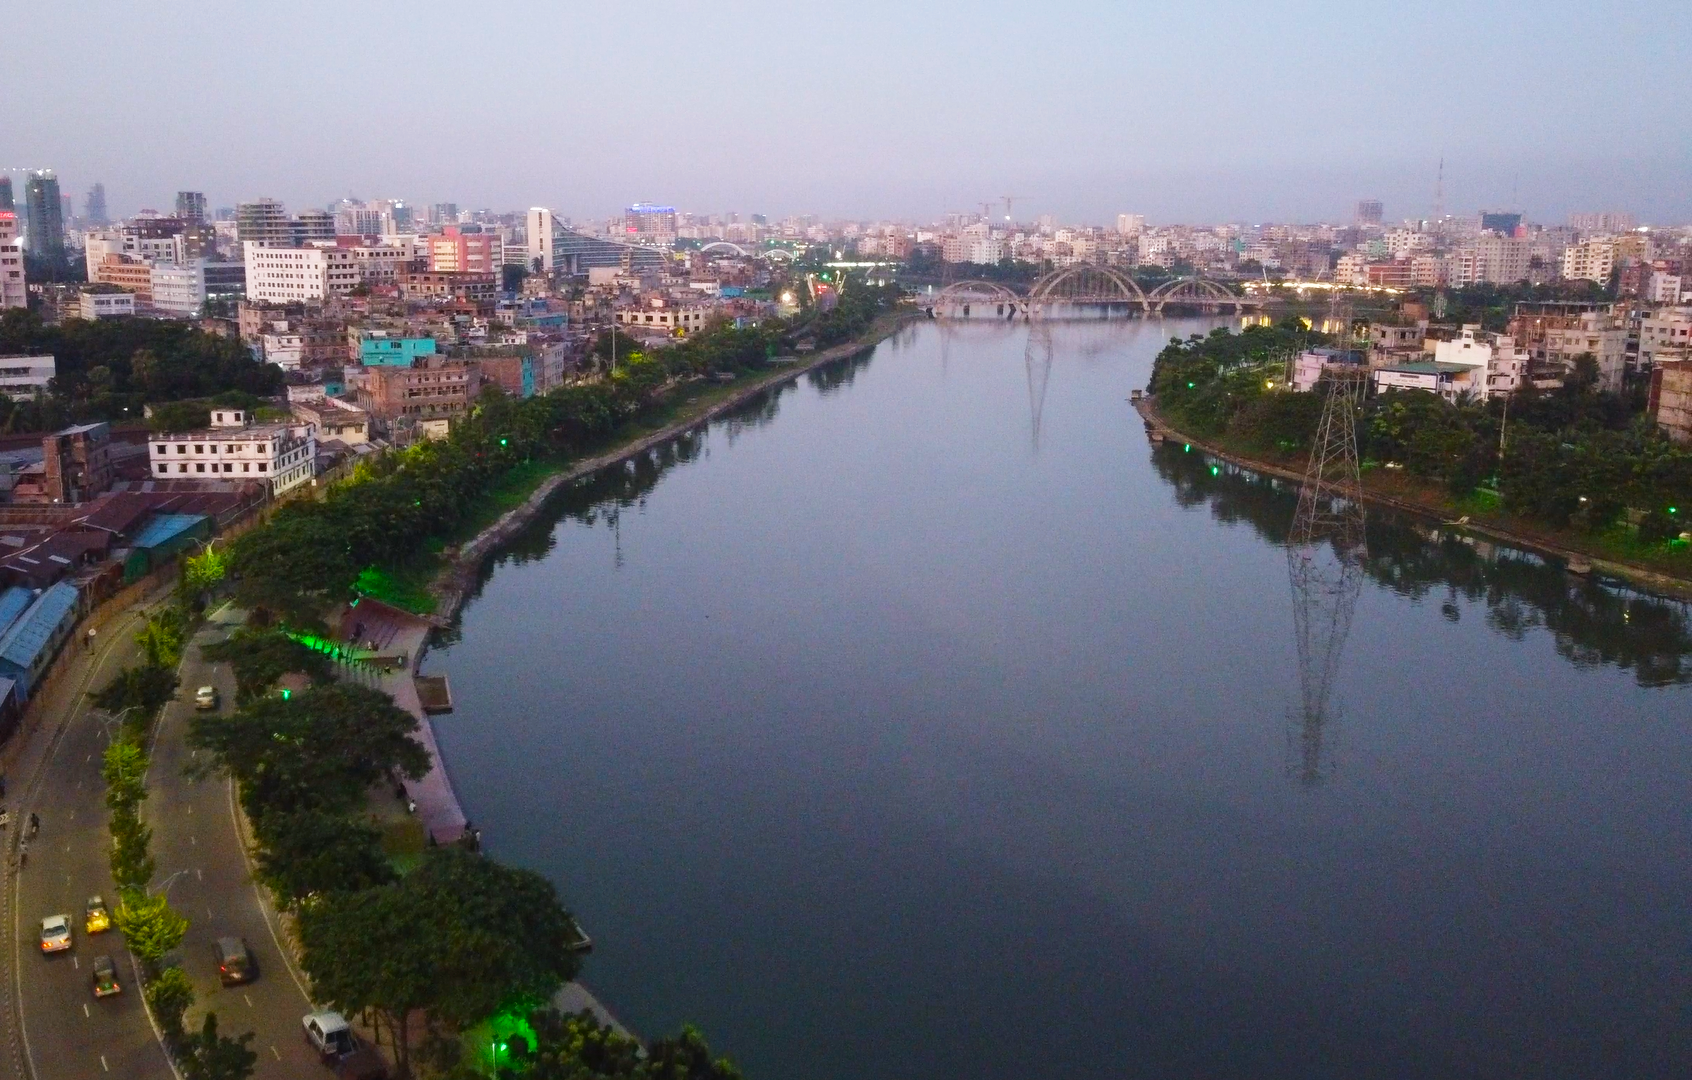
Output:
x=405 y=942
x=1583 y=478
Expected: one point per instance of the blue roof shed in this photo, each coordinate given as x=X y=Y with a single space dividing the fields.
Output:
x=14 y=602
x=30 y=645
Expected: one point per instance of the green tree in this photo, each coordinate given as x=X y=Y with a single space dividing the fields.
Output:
x=124 y=768
x=141 y=691
x=132 y=865
x=163 y=636
x=312 y=852
x=458 y=938
x=320 y=749
x=261 y=657
x=150 y=928
x=169 y=995
x=210 y=1056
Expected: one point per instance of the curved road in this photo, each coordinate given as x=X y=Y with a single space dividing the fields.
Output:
x=65 y=1032
x=62 y=1031
x=201 y=854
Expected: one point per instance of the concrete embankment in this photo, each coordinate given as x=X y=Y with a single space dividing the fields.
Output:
x=1648 y=580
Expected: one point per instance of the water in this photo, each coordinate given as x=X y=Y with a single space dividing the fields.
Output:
x=923 y=721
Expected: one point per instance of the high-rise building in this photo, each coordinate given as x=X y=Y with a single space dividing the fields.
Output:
x=1504 y=223
x=6 y=200
x=191 y=205
x=1368 y=211
x=263 y=221
x=14 y=288
x=649 y=221
x=1611 y=221
x=445 y=213
x=94 y=208
x=1130 y=224
x=540 y=239
x=46 y=215
x=314 y=225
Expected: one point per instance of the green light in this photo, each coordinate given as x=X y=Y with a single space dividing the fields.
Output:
x=286 y=693
x=1673 y=510
x=502 y=442
x=1215 y=471
x=1186 y=448
x=1191 y=385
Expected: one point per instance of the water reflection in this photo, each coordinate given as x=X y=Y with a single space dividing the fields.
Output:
x=1593 y=621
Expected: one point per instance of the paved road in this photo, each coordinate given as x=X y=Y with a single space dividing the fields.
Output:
x=67 y=1032
x=194 y=837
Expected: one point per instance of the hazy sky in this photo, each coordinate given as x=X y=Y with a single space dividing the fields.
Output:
x=1197 y=111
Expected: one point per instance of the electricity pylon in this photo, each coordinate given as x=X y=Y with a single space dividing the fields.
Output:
x=1037 y=361
x=1325 y=553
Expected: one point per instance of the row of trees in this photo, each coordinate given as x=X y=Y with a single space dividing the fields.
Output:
x=108 y=369
x=1574 y=454
x=312 y=551
x=151 y=928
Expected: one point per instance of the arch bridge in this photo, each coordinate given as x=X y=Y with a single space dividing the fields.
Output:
x=1065 y=292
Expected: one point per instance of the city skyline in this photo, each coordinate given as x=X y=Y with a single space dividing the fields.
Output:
x=1181 y=115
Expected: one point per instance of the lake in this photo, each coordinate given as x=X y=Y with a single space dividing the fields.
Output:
x=922 y=719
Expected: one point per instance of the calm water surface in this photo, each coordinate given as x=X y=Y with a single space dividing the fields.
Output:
x=924 y=721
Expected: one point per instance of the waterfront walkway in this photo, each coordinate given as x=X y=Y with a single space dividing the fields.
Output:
x=396 y=632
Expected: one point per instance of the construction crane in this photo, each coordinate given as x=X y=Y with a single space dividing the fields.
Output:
x=1008 y=199
x=986 y=211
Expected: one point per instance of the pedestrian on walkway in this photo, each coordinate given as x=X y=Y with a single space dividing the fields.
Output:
x=34 y=823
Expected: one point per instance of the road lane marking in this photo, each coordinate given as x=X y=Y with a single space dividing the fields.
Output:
x=199 y=874
x=248 y=1000
x=85 y=1011
x=103 y=1064
x=90 y=757
x=77 y=964
x=190 y=809
x=192 y=842
x=209 y=914
x=273 y=1050
x=72 y=815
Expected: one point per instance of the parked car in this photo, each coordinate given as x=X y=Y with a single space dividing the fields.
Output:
x=329 y=1034
x=55 y=933
x=205 y=698
x=350 y=1057
x=235 y=961
x=98 y=920
x=105 y=977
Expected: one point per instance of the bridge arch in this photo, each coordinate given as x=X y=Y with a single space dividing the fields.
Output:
x=778 y=253
x=724 y=245
x=1196 y=291
x=1085 y=284
x=974 y=299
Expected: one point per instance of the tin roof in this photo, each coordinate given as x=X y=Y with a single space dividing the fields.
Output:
x=21 y=644
x=165 y=527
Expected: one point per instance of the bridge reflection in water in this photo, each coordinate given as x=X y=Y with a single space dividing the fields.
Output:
x=1084 y=291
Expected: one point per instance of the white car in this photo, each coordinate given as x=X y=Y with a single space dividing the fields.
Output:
x=55 y=933
x=205 y=698
x=329 y=1034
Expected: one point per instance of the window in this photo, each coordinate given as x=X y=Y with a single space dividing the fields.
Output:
x=163 y=467
x=199 y=466
x=182 y=467
x=261 y=466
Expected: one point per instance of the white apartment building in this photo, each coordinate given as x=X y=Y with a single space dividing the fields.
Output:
x=285 y=455
x=1666 y=288
x=1665 y=334
x=1352 y=268
x=1403 y=243
x=1600 y=334
x=107 y=305
x=540 y=238
x=279 y=275
x=14 y=289
x=1590 y=260
x=23 y=377
x=1130 y=224
x=1500 y=367
x=687 y=320
x=380 y=264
